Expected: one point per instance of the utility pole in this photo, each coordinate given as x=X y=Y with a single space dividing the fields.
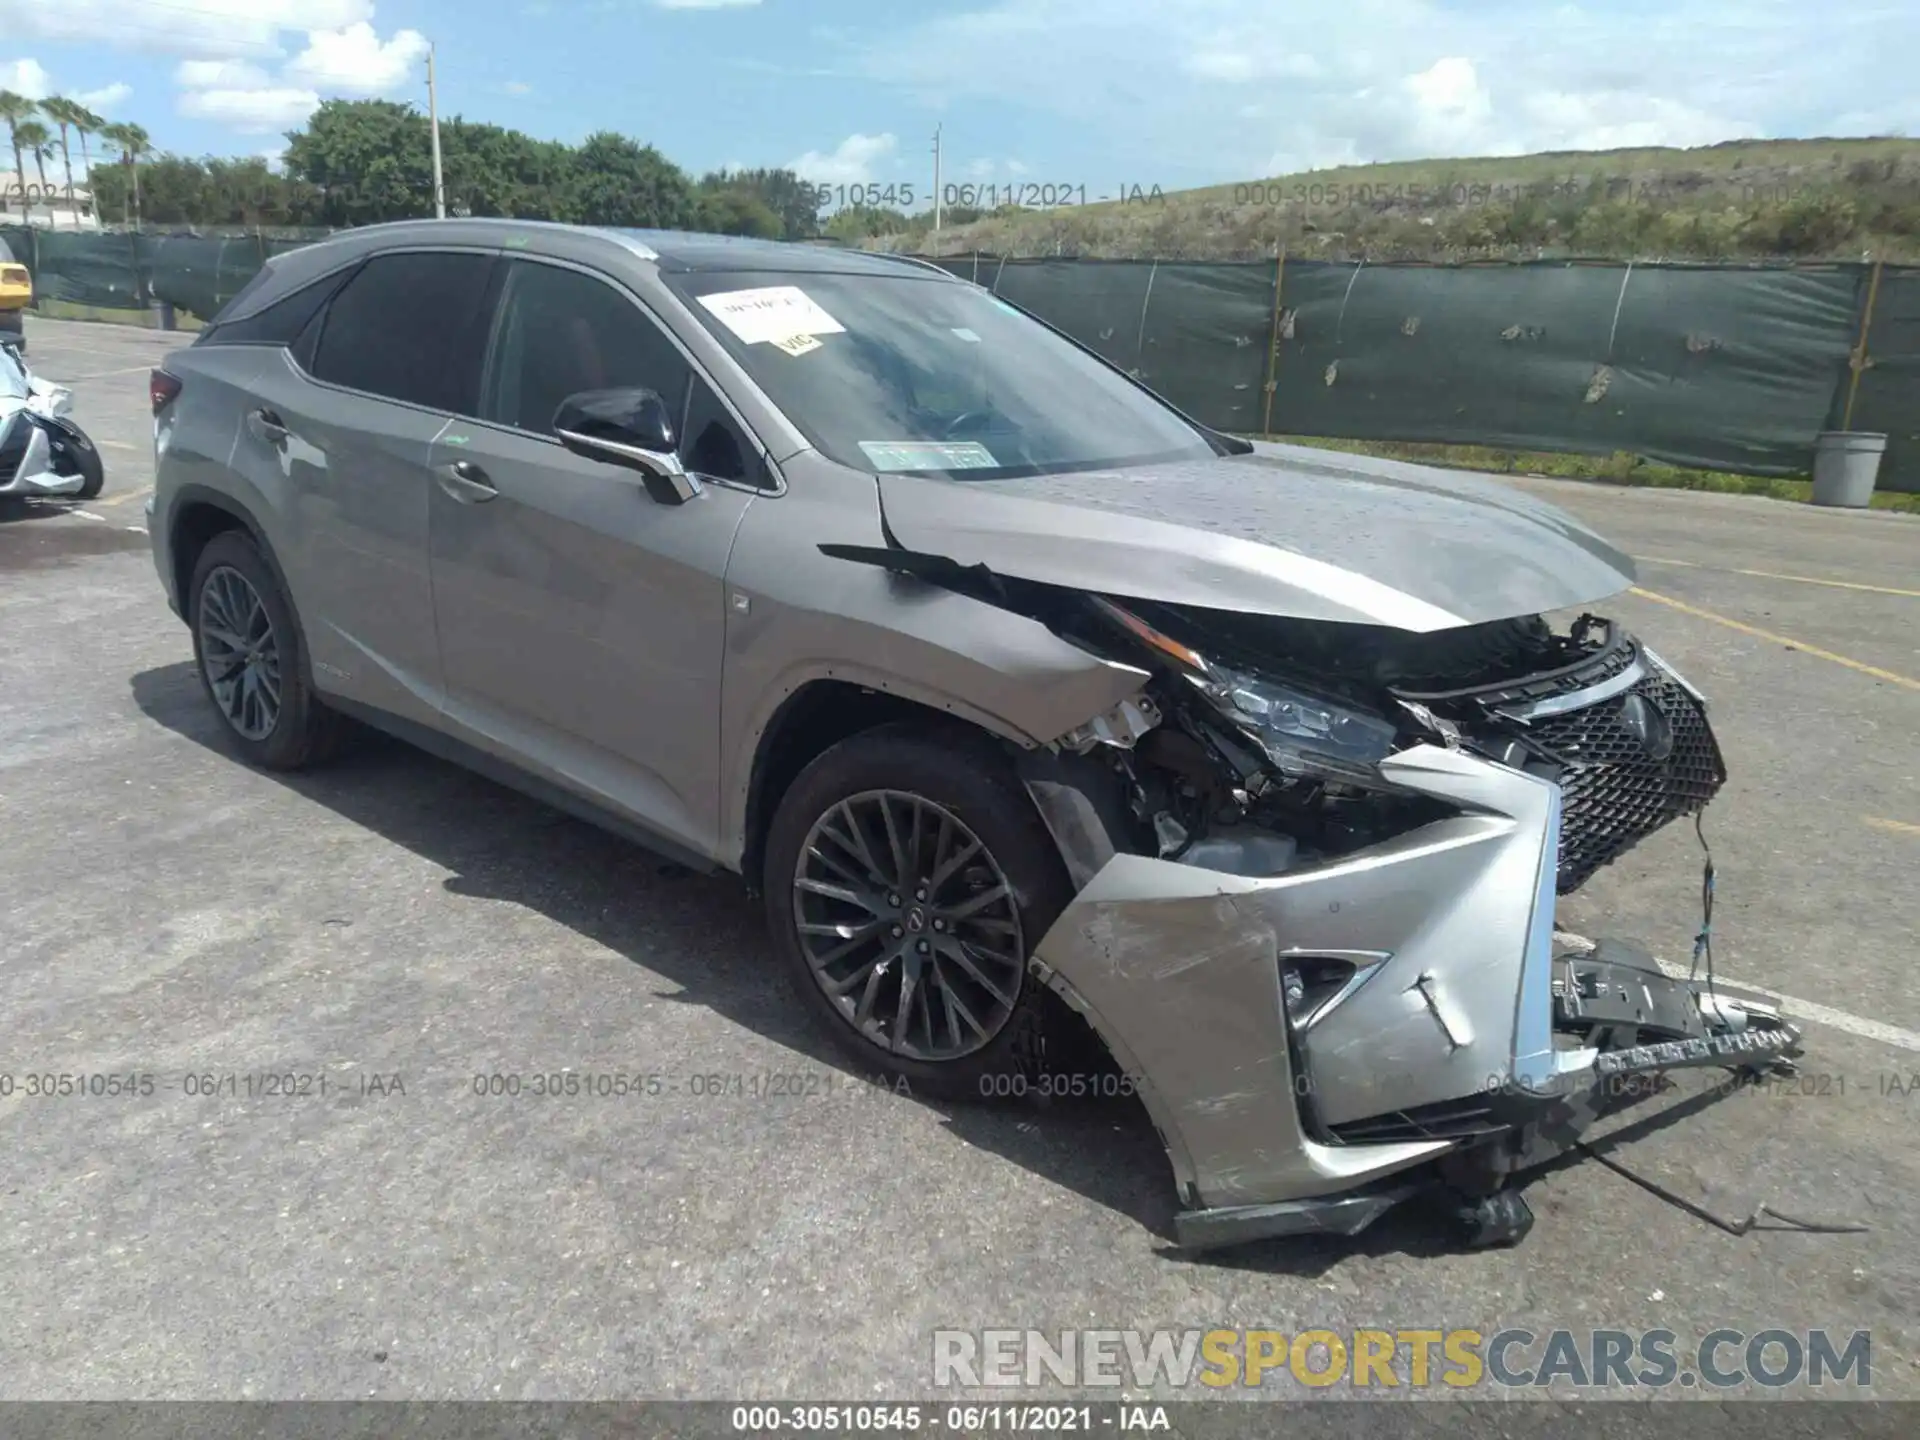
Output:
x=433 y=122
x=936 y=179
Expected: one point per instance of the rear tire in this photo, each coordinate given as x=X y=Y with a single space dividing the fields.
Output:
x=964 y=950
x=251 y=661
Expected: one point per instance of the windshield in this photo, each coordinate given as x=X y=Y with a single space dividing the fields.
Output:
x=915 y=374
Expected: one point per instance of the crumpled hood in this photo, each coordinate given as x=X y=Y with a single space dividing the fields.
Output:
x=1284 y=531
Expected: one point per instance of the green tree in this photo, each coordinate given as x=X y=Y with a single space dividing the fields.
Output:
x=794 y=201
x=736 y=212
x=17 y=110
x=86 y=123
x=860 y=222
x=37 y=140
x=618 y=181
x=66 y=114
x=368 y=161
x=134 y=146
x=491 y=170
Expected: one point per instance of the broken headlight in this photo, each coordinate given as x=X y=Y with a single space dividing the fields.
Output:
x=1301 y=734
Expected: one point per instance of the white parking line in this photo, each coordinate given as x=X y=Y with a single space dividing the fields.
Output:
x=88 y=514
x=109 y=374
x=1794 y=1007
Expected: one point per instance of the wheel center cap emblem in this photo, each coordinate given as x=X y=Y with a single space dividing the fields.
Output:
x=916 y=920
x=1647 y=725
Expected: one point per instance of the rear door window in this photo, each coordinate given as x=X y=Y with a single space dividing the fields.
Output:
x=407 y=327
x=559 y=332
x=281 y=322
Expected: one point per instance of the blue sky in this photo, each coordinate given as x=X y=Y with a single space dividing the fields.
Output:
x=1093 y=93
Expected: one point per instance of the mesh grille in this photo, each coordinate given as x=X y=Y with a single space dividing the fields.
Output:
x=1464 y=1119
x=1615 y=793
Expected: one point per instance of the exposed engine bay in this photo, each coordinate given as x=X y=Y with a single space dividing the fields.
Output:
x=1590 y=710
x=42 y=451
x=1325 y=855
x=1255 y=748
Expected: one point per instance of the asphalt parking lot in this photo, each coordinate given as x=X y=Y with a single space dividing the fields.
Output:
x=402 y=928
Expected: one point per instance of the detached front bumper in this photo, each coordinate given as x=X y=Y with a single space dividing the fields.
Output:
x=26 y=459
x=1283 y=1123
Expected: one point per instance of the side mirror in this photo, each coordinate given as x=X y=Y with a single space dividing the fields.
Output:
x=630 y=427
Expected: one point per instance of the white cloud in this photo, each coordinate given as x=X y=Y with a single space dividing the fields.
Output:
x=1238 y=66
x=850 y=163
x=355 y=61
x=28 y=78
x=1399 y=79
x=107 y=98
x=251 y=112
x=237 y=91
x=219 y=28
x=517 y=87
x=219 y=75
x=704 y=4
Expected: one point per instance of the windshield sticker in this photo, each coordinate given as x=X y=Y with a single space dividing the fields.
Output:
x=966 y=334
x=797 y=344
x=771 y=314
x=890 y=455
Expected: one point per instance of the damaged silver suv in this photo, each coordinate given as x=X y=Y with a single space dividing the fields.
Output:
x=1071 y=744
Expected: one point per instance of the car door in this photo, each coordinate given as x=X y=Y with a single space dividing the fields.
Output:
x=581 y=622
x=348 y=415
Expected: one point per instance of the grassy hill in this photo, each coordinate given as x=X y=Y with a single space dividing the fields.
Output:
x=1805 y=199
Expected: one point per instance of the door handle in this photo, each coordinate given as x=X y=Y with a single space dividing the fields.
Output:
x=466 y=482
x=268 y=426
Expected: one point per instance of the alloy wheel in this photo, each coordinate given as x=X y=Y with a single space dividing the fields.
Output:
x=909 y=925
x=239 y=653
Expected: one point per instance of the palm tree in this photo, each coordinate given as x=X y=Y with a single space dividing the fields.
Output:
x=37 y=140
x=132 y=143
x=14 y=109
x=65 y=113
x=86 y=123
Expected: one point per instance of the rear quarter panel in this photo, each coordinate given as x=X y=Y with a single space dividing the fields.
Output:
x=194 y=444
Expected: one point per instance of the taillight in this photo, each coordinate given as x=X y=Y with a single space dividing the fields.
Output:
x=161 y=388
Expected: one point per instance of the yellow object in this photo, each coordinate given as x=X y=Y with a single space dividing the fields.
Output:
x=16 y=286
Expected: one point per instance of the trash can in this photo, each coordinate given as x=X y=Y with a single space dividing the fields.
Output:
x=1846 y=464
x=163 y=317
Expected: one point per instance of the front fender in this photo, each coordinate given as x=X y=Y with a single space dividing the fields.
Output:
x=796 y=616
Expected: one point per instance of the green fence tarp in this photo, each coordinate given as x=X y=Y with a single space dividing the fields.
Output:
x=1734 y=368
x=1723 y=369
x=123 y=271
x=1197 y=333
x=1888 y=401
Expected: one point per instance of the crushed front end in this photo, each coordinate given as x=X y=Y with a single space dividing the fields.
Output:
x=1317 y=868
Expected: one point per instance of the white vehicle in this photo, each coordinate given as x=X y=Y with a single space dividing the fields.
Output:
x=42 y=452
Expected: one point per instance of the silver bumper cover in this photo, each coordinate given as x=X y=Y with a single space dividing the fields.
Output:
x=1179 y=970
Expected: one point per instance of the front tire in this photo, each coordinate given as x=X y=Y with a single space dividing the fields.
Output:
x=253 y=667
x=75 y=454
x=907 y=878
